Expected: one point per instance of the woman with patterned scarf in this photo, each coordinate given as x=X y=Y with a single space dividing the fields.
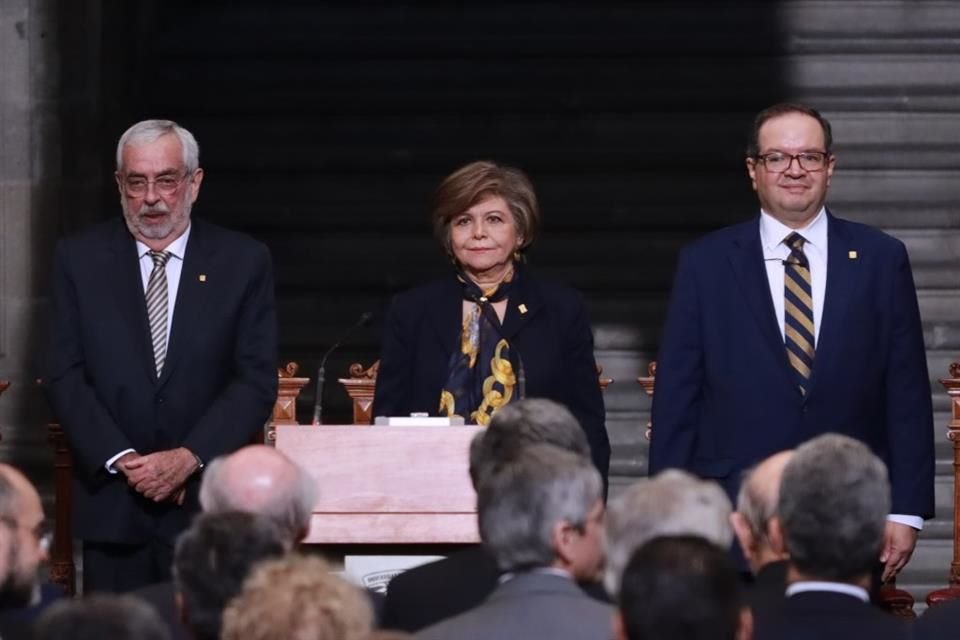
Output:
x=491 y=331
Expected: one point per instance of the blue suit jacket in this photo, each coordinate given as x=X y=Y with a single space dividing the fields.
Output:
x=553 y=338
x=217 y=387
x=726 y=396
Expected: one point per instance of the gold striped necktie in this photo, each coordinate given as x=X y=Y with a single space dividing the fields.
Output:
x=798 y=311
x=157 y=307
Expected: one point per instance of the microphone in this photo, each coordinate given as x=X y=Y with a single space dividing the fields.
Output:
x=362 y=321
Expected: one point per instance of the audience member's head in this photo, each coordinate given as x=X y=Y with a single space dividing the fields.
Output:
x=23 y=542
x=522 y=423
x=101 y=617
x=543 y=508
x=834 y=500
x=672 y=503
x=756 y=507
x=681 y=588
x=211 y=561
x=297 y=598
x=259 y=479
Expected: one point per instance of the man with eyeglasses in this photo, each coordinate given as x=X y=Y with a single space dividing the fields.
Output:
x=795 y=324
x=162 y=356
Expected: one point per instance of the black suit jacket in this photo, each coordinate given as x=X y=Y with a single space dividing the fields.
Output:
x=825 y=615
x=766 y=594
x=938 y=622
x=425 y=595
x=217 y=387
x=552 y=337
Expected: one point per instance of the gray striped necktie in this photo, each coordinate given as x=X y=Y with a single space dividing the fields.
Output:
x=799 y=333
x=157 y=307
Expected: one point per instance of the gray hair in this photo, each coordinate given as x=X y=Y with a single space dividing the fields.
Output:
x=147 y=131
x=834 y=500
x=289 y=504
x=520 y=503
x=523 y=423
x=672 y=503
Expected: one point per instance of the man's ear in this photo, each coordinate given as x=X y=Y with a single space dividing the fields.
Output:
x=744 y=533
x=562 y=538
x=619 y=628
x=775 y=536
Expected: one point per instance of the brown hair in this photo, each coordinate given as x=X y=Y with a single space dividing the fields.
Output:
x=782 y=109
x=476 y=182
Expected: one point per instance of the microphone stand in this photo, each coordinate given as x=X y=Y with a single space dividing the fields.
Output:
x=364 y=318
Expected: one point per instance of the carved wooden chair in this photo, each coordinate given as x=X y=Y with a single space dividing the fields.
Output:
x=952 y=591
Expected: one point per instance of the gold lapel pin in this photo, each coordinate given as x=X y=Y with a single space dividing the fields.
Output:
x=523 y=308
x=202 y=277
x=852 y=255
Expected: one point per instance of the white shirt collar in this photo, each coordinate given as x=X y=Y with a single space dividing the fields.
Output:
x=550 y=571
x=833 y=587
x=773 y=232
x=177 y=248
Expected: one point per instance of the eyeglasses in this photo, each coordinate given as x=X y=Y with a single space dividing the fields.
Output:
x=778 y=162
x=137 y=186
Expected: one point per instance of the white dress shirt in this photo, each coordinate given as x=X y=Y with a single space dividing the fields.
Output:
x=833 y=587
x=772 y=236
x=174 y=267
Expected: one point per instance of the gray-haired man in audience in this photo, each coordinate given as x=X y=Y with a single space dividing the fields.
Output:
x=672 y=503
x=541 y=518
x=833 y=504
x=429 y=593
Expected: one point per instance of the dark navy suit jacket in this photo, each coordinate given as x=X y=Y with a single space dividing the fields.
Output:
x=217 y=387
x=553 y=338
x=726 y=396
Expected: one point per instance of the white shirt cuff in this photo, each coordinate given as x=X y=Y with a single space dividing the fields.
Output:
x=109 y=464
x=911 y=521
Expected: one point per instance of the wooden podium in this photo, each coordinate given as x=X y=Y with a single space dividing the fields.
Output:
x=380 y=485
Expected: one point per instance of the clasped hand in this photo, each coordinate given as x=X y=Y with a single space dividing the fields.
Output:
x=159 y=476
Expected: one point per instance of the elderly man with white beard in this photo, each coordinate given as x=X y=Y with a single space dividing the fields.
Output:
x=162 y=356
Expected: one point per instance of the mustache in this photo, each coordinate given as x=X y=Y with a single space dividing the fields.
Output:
x=159 y=207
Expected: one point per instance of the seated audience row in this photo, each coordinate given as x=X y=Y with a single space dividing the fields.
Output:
x=810 y=523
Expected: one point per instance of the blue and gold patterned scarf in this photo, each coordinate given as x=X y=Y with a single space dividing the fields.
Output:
x=483 y=373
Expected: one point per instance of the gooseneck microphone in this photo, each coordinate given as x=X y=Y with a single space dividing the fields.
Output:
x=362 y=321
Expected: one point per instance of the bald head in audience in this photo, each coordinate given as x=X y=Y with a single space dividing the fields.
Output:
x=756 y=509
x=23 y=543
x=672 y=503
x=259 y=479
